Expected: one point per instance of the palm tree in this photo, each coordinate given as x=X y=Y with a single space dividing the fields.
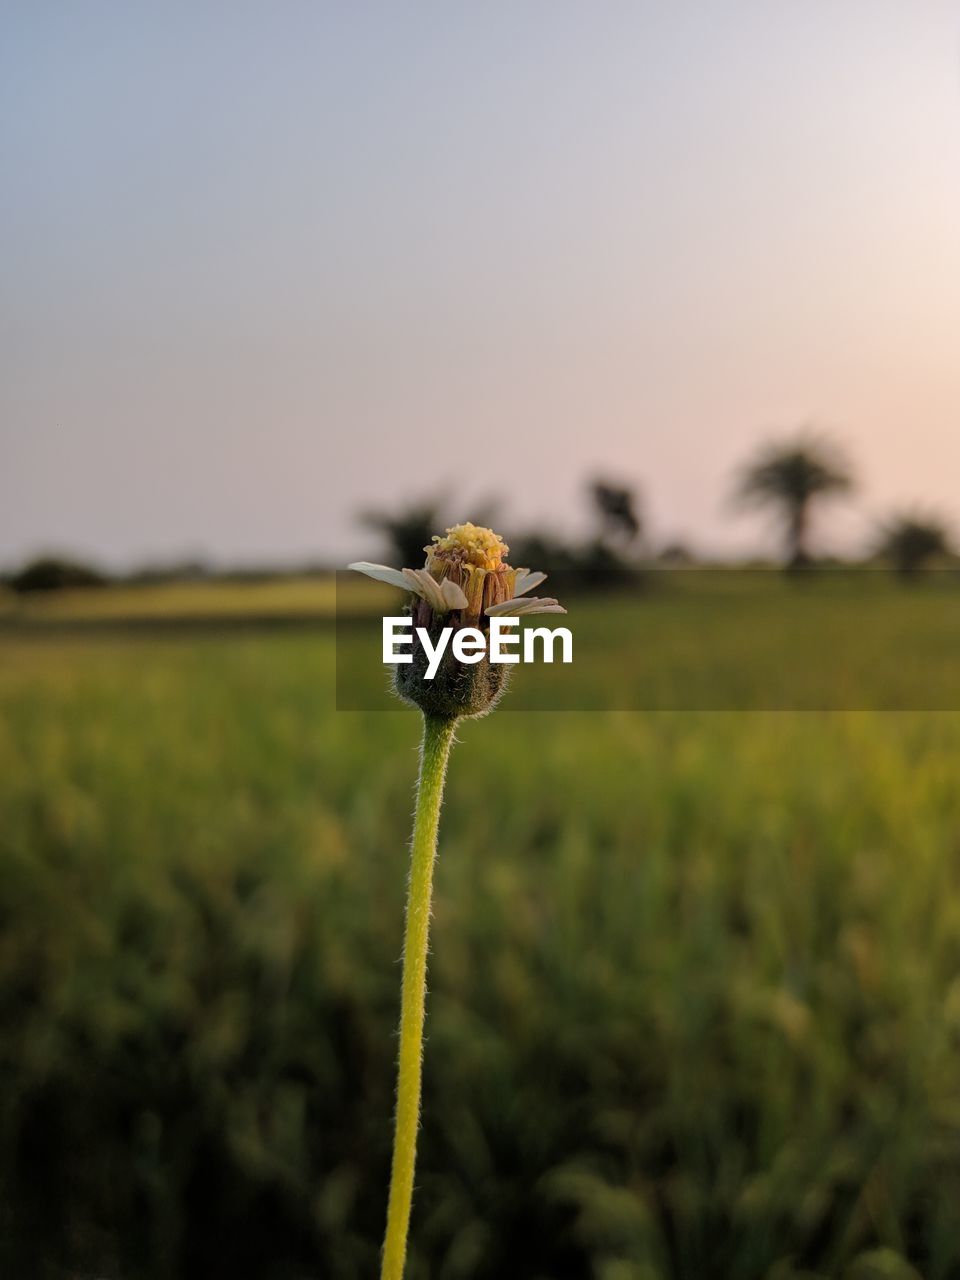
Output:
x=793 y=475
x=911 y=538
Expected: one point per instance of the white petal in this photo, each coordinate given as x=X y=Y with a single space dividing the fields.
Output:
x=420 y=585
x=526 y=581
x=453 y=594
x=382 y=573
x=530 y=604
x=432 y=592
x=426 y=585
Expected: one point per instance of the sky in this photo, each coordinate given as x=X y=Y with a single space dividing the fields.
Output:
x=268 y=264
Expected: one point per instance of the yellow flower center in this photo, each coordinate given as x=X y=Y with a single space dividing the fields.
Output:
x=470 y=544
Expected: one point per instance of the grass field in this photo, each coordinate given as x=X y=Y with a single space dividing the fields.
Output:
x=214 y=599
x=695 y=985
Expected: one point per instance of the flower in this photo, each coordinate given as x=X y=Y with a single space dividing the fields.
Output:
x=465 y=573
x=464 y=582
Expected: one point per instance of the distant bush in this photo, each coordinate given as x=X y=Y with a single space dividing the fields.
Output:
x=911 y=539
x=54 y=573
x=594 y=565
x=675 y=555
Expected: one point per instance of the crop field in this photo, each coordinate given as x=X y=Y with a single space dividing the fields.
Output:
x=145 y=602
x=695 y=974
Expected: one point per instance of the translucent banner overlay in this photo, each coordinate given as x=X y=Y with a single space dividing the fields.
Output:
x=707 y=639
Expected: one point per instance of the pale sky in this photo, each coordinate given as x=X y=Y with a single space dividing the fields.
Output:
x=266 y=263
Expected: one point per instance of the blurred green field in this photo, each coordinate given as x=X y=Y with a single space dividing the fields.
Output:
x=221 y=599
x=716 y=640
x=695 y=984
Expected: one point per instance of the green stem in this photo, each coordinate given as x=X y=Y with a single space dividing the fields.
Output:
x=437 y=737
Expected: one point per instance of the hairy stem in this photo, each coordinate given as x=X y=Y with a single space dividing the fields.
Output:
x=437 y=737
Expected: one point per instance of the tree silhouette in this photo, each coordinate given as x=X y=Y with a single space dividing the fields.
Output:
x=406 y=531
x=792 y=476
x=409 y=530
x=616 y=506
x=54 y=573
x=911 y=539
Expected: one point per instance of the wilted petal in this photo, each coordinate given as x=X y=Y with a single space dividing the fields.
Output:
x=453 y=594
x=526 y=581
x=425 y=585
x=382 y=573
x=545 y=606
x=420 y=582
x=529 y=604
